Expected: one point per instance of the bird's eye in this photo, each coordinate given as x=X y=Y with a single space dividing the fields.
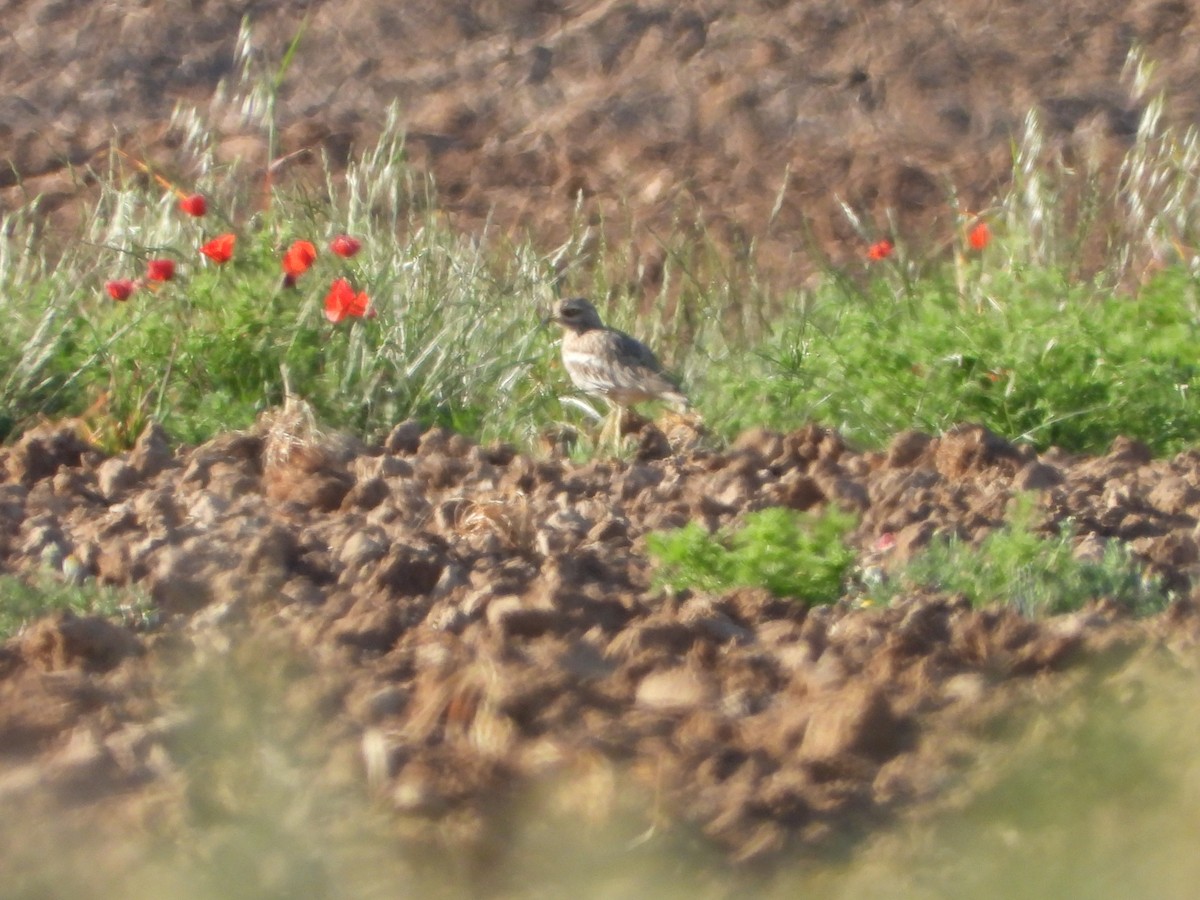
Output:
x=569 y=312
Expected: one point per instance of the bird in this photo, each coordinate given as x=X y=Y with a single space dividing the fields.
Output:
x=609 y=363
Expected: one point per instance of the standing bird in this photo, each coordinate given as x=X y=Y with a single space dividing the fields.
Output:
x=609 y=363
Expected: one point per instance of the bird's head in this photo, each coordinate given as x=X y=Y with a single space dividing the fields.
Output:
x=576 y=314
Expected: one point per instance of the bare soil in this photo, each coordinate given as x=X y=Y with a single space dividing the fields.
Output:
x=430 y=628
x=653 y=113
x=441 y=626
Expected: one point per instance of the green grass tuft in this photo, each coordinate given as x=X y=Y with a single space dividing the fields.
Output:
x=22 y=601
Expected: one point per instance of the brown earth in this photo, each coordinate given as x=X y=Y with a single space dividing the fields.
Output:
x=441 y=627
x=414 y=635
x=709 y=111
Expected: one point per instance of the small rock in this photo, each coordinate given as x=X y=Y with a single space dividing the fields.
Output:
x=322 y=490
x=969 y=688
x=207 y=510
x=361 y=548
x=911 y=538
x=1037 y=476
x=511 y=617
x=152 y=453
x=762 y=442
x=183 y=578
x=1129 y=451
x=796 y=490
x=858 y=720
x=906 y=449
x=652 y=444
x=366 y=494
x=673 y=689
x=393 y=467
x=66 y=641
x=43 y=451
x=972 y=449
x=411 y=569
x=1174 y=495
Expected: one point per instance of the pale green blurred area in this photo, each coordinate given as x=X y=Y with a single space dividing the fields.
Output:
x=1097 y=797
x=1092 y=790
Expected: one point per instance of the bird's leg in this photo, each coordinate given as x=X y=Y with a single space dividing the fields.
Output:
x=603 y=433
x=618 y=423
x=612 y=422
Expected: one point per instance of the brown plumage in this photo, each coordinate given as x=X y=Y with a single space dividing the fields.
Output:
x=609 y=363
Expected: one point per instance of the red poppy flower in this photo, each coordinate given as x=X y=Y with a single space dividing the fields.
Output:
x=160 y=269
x=880 y=250
x=979 y=236
x=194 y=205
x=341 y=301
x=298 y=258
x=121 y=289
x=220 y=248
x=345 y=246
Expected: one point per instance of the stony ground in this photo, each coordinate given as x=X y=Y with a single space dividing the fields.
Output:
x=414 y=634
x=444 y=625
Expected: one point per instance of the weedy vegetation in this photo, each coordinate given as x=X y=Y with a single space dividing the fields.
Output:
x=1012 y=324
x=1011 y=327
x=24 y=599
x=1041 y=576
x=803 y=556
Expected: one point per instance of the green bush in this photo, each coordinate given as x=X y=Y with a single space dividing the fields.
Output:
x=798 y=555
x=1048 y=360
x=1040 y=576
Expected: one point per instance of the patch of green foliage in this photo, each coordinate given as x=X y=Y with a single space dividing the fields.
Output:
x=1040 y=576
x=1046 y=360
x=22 y=601
x=798 y=555
x=1019 y=335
